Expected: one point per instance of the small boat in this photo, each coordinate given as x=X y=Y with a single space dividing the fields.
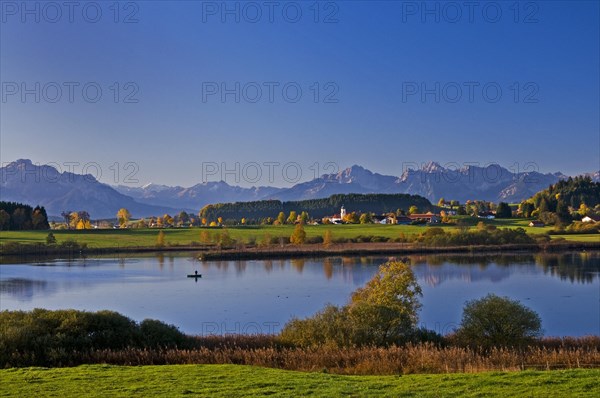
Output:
x=195 y=275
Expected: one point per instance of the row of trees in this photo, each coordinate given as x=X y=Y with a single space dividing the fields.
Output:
x=477 y=207
x=77 y=219
x=19 y=217
x=268 y=210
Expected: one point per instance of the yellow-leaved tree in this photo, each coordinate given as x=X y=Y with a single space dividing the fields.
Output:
x=387 y=307
x=123 y=217
x=327 y=238
x=299 y=235
x=160 y=239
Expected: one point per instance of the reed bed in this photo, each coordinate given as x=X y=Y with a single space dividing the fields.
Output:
x=395 y=360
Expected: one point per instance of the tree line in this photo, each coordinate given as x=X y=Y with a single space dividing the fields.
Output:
x=20 y=217
x=255 y=211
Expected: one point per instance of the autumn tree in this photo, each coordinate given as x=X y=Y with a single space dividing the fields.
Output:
x=168 y=220
x=225 y=239
x=382 y=313
x=304 y=217
x=327 y=238
x=123 y=216
x=205 y=237
x=299 y=235
x=365 y=218
x=583 y=210
x=292 y=217
x=413 y=210
x=386 y=309
x=141 y=223
x=73 y=219
x=281 y=218
x=160 y=239
x=265 y=241
x=352 y=218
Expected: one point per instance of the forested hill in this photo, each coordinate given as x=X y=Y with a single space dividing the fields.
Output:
x=564 y=201
x=316 y=208
x=573 y=191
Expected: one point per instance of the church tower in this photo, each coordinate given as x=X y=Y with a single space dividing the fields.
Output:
x=342 y=212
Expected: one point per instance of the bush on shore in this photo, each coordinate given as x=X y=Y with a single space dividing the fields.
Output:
x=43 y=337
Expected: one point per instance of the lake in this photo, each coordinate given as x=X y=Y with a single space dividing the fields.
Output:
x=260 y=296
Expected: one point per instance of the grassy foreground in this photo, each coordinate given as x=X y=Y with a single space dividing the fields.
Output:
x=249 y=381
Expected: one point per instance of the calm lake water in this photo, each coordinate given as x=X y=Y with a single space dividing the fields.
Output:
x=261 y=296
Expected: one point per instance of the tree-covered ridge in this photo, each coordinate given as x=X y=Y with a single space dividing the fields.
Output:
x=573 y=191
x=18 y=216
x=317 y=208
x=567 y=200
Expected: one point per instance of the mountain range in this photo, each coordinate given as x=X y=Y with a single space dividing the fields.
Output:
x=23 y=181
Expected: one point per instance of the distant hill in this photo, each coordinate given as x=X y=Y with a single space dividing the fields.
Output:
x=317 y=208
x=22 y=181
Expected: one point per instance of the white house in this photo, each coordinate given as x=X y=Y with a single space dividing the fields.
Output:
x=592 y=219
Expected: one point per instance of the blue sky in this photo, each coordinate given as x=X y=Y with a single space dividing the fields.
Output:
x=369 y=74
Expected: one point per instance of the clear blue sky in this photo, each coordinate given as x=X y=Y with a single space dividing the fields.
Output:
x=372 y=55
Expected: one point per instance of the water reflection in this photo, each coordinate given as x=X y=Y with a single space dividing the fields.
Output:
x=575 y=267
x=562 y=287
x=22 y=288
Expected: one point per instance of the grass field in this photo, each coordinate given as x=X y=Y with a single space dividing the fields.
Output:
x=185 y=236
x=580 y=237
x=248 y=381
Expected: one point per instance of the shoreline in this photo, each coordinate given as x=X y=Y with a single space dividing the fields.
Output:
x=207 y=253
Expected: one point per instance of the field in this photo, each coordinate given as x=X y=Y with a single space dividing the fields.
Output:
x=186 y=236
x=248 y=381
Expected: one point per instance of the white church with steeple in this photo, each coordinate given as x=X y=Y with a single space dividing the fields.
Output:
x=338 y=218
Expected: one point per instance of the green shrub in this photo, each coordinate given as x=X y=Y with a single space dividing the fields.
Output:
x=47 y=338
x=158 y=334
x=494 y=321
x=50 y=239
x=329 y=327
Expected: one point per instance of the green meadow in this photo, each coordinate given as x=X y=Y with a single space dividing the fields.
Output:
x=249 y=381
x=105 y=238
